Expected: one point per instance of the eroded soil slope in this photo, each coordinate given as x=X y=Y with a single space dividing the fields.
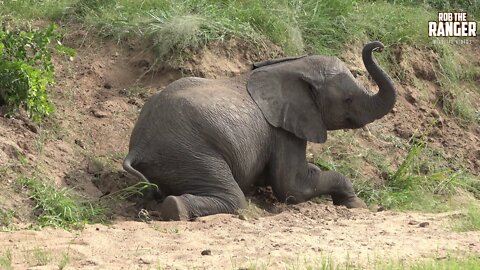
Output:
x=98 y=97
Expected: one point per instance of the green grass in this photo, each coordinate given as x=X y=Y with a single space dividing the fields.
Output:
x=175 y=30
x=39 y=257
x=64 y=260
x=6 y=219
x=59 y=207
x=469 y=220
x=173 y=27
x=136 y=189
x=35 y=9
x=6 y=260
x=467 y=262
x=451 y=263
x=458 y=87
x=423 y=180
x=297 y=26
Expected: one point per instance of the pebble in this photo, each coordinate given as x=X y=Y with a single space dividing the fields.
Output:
x=423 y=224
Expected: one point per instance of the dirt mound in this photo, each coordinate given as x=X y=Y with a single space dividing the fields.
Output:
x=230 y=58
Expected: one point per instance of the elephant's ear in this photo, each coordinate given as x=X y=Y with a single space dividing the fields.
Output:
x=285 y=94
x=275 y=61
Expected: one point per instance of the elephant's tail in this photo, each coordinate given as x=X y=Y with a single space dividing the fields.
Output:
x=127 y=166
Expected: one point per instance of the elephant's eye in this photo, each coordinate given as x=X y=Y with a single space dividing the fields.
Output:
x=348 y=100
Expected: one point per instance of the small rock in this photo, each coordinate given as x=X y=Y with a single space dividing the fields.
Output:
x=94 y=167
x=80 y=143
x=380 y=208
x=135 y=101
x=412 y=222
x=100 y=113
x=423 y=224
x=206 y=252
x=402 y=132
x=242 y=217
x=434 y=114
x=107 y=85
x=295 y=207
x=411 y=98
x=144 y=261
x=32 y=127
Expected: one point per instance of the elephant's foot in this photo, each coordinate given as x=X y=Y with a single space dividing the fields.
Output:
x=173 y=209
x=353 y=202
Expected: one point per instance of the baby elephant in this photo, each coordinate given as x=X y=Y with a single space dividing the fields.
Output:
x=204 y=142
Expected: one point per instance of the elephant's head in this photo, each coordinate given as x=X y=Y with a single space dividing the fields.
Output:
x=312 y=94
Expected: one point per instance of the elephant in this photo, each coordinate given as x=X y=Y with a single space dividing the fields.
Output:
x=205 y=142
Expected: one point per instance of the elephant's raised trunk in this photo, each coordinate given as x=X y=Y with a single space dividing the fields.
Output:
x=381 y=103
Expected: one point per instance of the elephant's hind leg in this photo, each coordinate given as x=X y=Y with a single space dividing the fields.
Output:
x=215 y=193
x=188 y=206
x=173 y=208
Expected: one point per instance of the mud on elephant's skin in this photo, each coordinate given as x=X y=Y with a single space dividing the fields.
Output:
x=204 y=142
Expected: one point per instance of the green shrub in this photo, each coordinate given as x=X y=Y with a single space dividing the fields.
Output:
x=26 y=69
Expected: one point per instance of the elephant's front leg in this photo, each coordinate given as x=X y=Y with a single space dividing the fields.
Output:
x=333 y=184
x=313 y=183
x=293 y=180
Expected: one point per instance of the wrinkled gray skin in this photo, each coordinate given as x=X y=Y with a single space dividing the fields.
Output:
x=204 y=142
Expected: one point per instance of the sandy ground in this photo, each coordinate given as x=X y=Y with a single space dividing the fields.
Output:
x=300 y=237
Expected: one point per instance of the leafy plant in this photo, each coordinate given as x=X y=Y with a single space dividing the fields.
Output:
x=26 y=69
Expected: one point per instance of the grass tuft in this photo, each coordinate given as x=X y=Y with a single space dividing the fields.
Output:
x=450 y=262
x=469 y=220
x=58 y=207
x=40 y=256
x=64 y=260
x=455 y=93
x=424 y=180
x=6 y=219
x=6 y=260
x=133 y=190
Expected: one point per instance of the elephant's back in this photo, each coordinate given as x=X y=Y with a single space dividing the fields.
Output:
x=198 y=117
